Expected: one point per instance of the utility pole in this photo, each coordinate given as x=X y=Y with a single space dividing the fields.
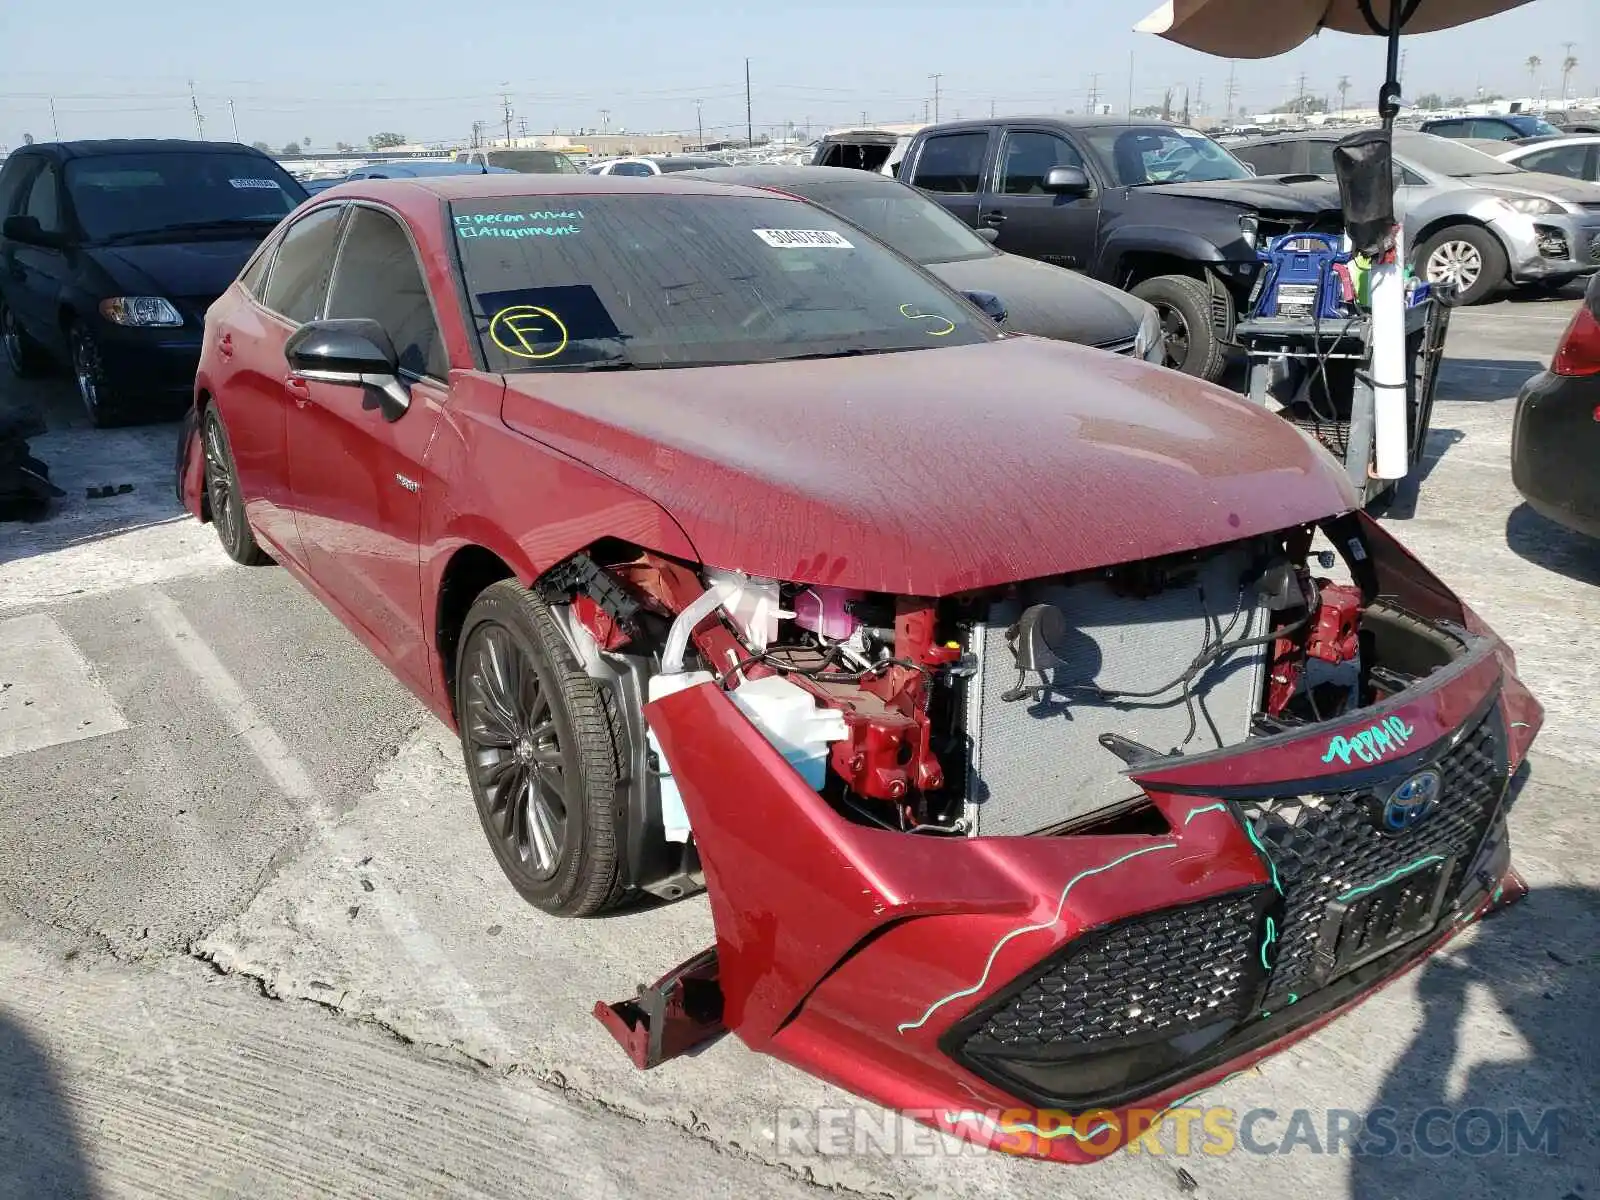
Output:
x=991 y=109
x=935 y=79
x=1300 y=94
x=199 y=120
x=1094 y=92
x=605 y=120
x=925 y=120
x=1199 y=90
x=1130 y=84
x=55 y=129
x=749 y=128
x=699 y=124
x=1233 y=90
x=1567 y=64
x=505 y=106
x=233 y=116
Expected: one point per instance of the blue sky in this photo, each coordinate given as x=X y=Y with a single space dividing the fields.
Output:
x=298 y=69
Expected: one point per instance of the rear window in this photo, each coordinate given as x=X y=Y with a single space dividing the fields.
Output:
x=661 y=280
x=533 y=162
x=120 y=196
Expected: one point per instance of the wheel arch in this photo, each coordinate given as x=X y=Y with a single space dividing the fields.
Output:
x=1440 y=224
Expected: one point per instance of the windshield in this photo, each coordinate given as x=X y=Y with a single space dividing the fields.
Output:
x=128 y=195
x=662 y=280
x=533 y=162
x=906 y=219
x=1443 y=156
x=1533 y=126
x=1160 y=154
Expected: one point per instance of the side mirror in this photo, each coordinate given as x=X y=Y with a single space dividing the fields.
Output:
x=28 y=231
x=352 y=352
x=992 y=306
x=1066 y=181
x=988 y=234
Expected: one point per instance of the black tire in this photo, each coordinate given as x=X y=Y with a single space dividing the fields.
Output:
x=1468 y=247
x=536 y=725
x=26 y=358
x=1185 y=307
x=99 y=394
x=223 y=496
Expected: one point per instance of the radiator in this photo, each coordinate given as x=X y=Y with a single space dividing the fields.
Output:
x=1035 y=764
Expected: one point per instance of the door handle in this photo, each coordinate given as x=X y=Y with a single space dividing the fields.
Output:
x=225 y=345
x=993 y=219
x=299 y=389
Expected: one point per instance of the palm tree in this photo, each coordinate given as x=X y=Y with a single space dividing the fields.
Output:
x=1568 y=65
x=1344 y=88
x=1534 y=63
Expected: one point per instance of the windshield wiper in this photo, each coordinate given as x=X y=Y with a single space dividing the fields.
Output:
x=225 y=225
x=852 y=352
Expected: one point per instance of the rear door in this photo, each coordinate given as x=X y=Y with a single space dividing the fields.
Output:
x=1031 y=221
x=950 y=167
x=254 y=324
x=358 y=478
x=37 y=275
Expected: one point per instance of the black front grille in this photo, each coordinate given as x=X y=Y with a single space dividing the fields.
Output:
x=1159 y=975
x=1324 y=847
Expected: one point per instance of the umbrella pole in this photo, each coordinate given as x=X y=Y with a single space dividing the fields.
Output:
x=1391 y=452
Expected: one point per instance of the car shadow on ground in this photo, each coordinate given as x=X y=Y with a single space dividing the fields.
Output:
x=1514 y=1116
x=1554 y=547
x=1485 y=379
x=1401 y=503
x=41 y=1152
x=112 y=480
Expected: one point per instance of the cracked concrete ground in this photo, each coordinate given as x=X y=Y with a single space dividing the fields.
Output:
x=252 y=942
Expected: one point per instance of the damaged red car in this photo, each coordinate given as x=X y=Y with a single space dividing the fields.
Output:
x=1051 y=731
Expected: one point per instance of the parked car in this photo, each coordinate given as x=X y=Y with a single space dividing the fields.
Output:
x=524 y=162
x=1156 y=209
x=111 y=251
x=408 y=169
x=1555 y=433
x=1037 y=298
x=1506 y=127
x=877 y=148
x=646 y=165
x=1471 y=220
x=1576 y=157
x=740 y=550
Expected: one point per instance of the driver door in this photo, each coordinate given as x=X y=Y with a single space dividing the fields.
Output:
x=1031 y=221
x=357 y=477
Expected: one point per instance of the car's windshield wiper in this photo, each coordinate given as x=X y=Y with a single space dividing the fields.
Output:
x=851 y=352
x=226 y=225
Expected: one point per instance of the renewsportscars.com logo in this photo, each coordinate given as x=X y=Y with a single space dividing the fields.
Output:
x=1183 y=1131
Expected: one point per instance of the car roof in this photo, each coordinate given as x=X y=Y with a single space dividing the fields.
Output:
x=1523 y=149
x=495 y=187
x=1070 y=121
x=97 y=147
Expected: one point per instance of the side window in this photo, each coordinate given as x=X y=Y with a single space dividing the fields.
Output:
x=1497 y=130
x=44 y=200
x=1447 y=128
x=1274 y=158
x=631 y=168
x=377 y=277
x=951 y=163
x=300 y=269
x=1409 y=178
x=1028 y=158
x=13 y=180
x=1561 y=160
x=255 y=275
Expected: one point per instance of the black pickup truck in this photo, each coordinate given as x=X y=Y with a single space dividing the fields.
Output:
x=1152 y=207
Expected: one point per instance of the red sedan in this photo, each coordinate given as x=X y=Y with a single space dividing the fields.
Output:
x=1051 y=732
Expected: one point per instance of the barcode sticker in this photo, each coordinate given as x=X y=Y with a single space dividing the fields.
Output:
x=788 y=239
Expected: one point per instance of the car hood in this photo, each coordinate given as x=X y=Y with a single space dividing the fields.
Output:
x=1046 y=300
x=1305 y=194
x=1574 y=191
x=198 y=270
x=936 y=471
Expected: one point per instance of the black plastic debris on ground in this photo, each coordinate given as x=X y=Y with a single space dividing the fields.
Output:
x=25 y=487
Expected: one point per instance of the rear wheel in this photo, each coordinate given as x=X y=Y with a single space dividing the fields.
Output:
x=542 y=753
x=225 y=499
x=1184 y=305
x=24 y=356
x=1465 y=256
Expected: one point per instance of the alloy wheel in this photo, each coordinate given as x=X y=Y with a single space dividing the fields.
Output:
x=1457 y=263
x=219 y=482
x=514 y=751
x=86 y=370
x=1176 y=330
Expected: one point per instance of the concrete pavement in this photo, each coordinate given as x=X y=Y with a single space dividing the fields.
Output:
x=253 y=944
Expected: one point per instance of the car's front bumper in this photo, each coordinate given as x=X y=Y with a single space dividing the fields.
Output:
x=153 y=366
x=1555 y=443
x=985 y=985
x=1550 y=247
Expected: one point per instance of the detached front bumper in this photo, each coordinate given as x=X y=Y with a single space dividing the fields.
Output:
x=1034 y=993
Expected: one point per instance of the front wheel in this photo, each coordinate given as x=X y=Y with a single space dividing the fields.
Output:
x=1467 y=257
x=1184 y=305
x=543 y=755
